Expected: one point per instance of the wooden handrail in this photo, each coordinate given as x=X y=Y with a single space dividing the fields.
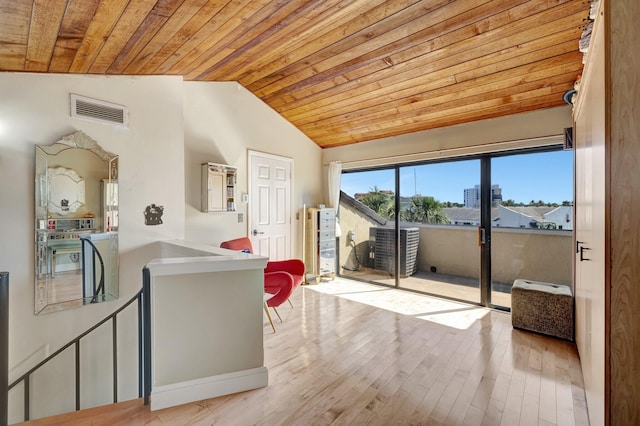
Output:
x=25 y=378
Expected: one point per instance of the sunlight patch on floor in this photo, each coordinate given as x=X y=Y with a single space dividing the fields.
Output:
x=440 y=311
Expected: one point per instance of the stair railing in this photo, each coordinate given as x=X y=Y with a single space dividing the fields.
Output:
x=144 y=347
x=95 y=254
x=4 y=347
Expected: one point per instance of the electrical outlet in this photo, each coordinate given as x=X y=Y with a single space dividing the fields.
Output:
x=240 y=218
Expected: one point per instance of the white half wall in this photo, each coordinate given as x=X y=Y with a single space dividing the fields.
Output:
x=34 y=109
x=223 y=120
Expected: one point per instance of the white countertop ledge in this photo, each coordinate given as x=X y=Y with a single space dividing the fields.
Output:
x=178 y=257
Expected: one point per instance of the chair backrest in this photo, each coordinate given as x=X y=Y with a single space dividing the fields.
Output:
x=239 y=244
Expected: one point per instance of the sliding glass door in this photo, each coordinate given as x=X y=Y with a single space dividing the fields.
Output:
x=367 y=247
x=439 y=218
x=532 y=226
x=463 y=229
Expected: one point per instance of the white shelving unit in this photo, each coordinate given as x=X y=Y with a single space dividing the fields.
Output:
x=218 y=187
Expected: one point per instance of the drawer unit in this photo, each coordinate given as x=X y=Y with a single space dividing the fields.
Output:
x=320 y=242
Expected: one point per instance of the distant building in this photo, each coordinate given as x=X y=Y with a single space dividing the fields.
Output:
x=472 y=196
x=535 y=217
x=560 y=218
x=466 y=215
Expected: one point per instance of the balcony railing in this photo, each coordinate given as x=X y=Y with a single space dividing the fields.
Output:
x=451 y=252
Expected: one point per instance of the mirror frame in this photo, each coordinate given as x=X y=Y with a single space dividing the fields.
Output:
x=97 y=235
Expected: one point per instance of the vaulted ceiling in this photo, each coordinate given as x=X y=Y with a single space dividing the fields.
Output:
x=342 y=71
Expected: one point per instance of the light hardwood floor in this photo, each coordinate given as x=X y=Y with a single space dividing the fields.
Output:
x=345 y=355
x=439 y=285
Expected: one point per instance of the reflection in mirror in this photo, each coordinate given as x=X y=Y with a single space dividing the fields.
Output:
x=76 y=221
x=66 y=190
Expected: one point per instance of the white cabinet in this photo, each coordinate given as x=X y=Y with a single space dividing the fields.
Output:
x=218 y=188
x=320 y=242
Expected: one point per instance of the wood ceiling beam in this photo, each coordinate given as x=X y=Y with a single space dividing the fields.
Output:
x=409 y=88
x=73 y=29
x=458 y=42
x=452 y=98
x=103 y=22
x=217 y=28
x=15 y=18
x=125 y=30
x=186 y=20
x=262 y=26
x=377 y=59
x=43 y=32
x=382 y=32
x=310 y=20
x=439 y=120
x=330 y=35
x=153 y=22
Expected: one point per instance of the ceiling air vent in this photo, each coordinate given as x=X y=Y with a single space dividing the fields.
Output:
x=96 y=110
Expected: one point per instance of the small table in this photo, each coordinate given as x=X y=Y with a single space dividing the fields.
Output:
x=62 y=247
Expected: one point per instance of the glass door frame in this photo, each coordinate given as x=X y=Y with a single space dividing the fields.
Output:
x=484 y=230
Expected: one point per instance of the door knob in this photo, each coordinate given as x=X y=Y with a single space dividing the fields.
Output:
x=255 y=232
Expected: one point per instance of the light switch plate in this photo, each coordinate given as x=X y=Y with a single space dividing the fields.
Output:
x=240 y=217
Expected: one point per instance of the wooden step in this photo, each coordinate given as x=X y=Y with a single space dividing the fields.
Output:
x=127 y=412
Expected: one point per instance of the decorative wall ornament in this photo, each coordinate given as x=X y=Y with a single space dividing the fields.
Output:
x=153 y=215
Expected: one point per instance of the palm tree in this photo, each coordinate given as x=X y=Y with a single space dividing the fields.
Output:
x=424 y=209
x=378 y=201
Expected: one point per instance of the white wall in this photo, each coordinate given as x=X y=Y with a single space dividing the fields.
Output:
x=222 y=120
x=173 y=127
x=34 y=109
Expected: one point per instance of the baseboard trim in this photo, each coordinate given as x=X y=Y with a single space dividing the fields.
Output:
x=208 y=387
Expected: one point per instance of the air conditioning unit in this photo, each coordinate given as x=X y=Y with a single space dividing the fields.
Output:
x=382 y=240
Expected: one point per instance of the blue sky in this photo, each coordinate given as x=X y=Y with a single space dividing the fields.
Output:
x=542 y=176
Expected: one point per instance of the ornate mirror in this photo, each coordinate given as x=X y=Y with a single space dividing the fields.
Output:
x=76 y=224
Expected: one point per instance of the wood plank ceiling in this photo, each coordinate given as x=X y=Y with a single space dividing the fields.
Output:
x=342 y=71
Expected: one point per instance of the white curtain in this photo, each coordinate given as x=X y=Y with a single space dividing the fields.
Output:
x=335 y=171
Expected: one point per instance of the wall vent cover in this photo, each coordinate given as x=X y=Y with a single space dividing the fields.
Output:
x=94 y=109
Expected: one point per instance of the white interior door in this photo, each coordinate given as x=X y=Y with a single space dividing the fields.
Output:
x=270 y=205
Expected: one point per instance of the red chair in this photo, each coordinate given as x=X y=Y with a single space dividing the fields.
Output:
x=281 y=277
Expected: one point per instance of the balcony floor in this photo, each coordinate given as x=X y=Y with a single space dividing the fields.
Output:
x=460 y=288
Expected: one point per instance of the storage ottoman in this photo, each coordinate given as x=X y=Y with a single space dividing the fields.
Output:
x=542 y=307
